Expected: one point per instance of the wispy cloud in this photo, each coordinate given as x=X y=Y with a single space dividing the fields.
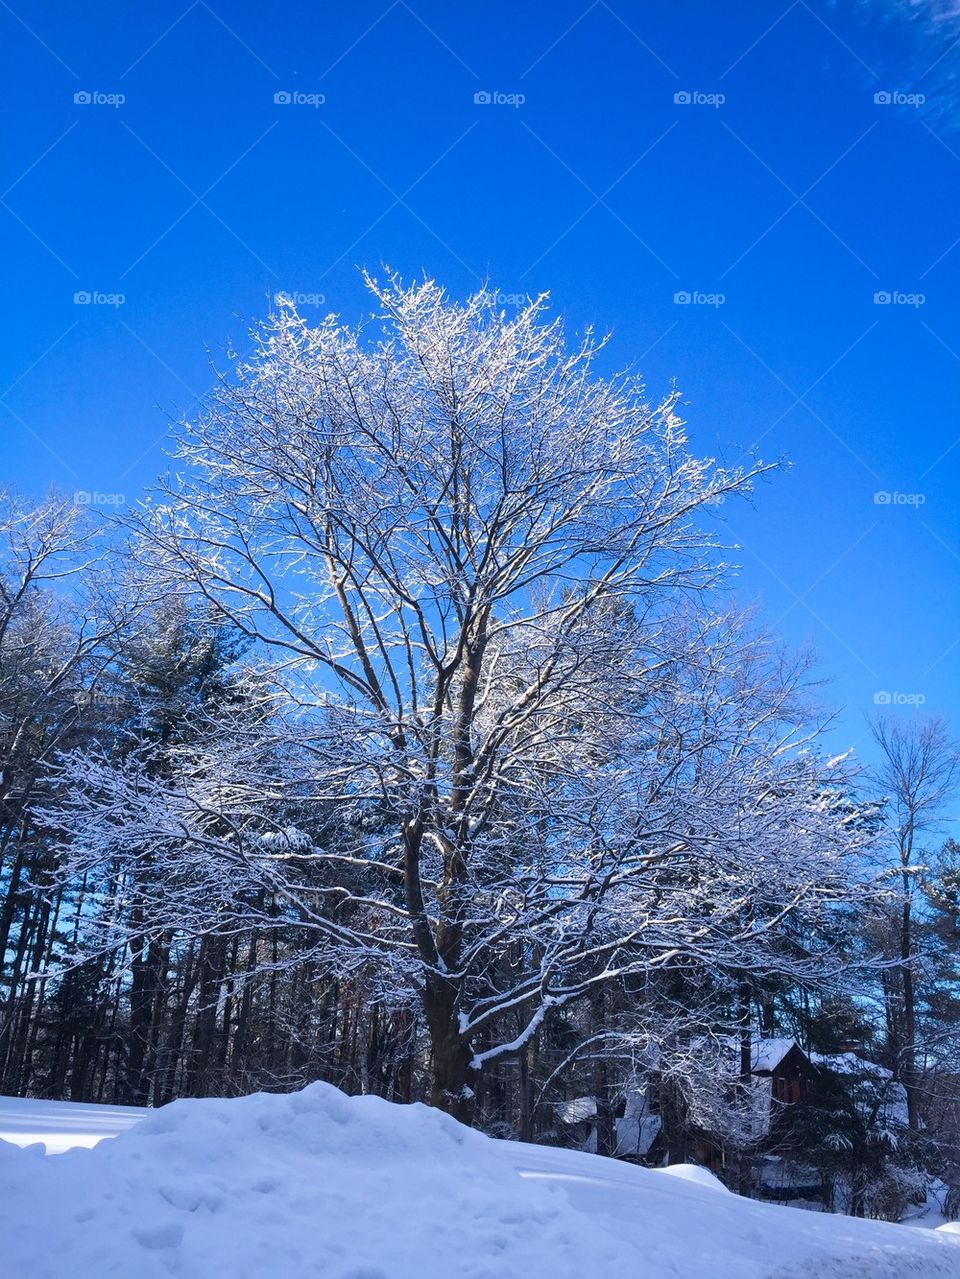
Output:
x=930 y=50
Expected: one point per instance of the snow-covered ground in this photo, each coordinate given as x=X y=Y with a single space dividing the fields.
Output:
x=318 y=1184
x=62 y=1125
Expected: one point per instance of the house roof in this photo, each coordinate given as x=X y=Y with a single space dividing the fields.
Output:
x=851 y=1064
x=636 y=1134
x=767 y=1054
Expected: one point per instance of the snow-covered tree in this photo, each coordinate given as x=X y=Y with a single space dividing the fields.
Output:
x=482 y=574
x=918 y=775
x=59 y=616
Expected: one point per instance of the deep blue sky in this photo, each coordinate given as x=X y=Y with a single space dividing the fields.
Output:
x=797 y=199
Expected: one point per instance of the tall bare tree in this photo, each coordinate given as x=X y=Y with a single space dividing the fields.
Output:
x=918 y=775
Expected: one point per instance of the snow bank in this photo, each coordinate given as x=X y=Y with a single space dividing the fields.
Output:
x=317 y=1184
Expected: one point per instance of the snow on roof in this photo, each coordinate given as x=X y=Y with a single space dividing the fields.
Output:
x=850 y=1064
x=636 y=1134
x=879 y=1082
x=575 y=1111
x=767 y=1054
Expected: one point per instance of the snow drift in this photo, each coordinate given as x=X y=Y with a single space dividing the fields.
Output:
x=319 y=1184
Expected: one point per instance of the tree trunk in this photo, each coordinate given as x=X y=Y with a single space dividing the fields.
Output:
x=606 y=1132
x=451 y=1075
x=527 y=1069
x=909 y=1069
x=746 y=1083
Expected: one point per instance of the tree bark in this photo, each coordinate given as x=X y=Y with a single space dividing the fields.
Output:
x=452 y=1075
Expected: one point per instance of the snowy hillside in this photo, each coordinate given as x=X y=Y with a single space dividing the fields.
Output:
x=319 y=1184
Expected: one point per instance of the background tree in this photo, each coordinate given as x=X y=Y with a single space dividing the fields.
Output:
x=57 y=624
x=918 y=774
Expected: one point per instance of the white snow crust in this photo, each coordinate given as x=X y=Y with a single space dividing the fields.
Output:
x=316 y=1183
